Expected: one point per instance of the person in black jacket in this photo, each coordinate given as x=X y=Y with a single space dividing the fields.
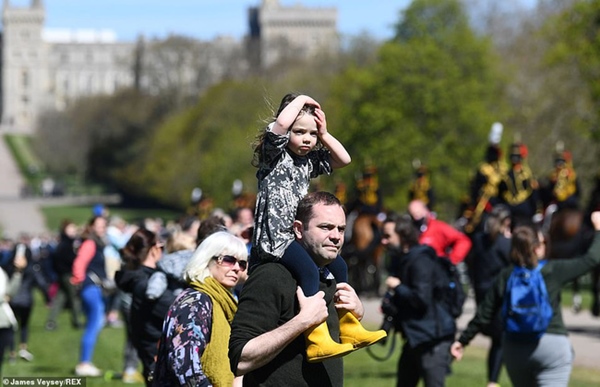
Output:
x=62 y=264
x=140 y=255
x=22 y=301
x=427 y=327
x=489 y=255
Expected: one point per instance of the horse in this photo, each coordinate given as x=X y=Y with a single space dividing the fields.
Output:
x=570 y=234
x=363 y=253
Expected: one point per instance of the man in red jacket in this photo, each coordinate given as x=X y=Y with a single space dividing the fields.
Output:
x=442 y=237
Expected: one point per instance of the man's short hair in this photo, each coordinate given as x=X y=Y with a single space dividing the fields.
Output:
x=405 y=228
x=209 y=226
x=304 y=212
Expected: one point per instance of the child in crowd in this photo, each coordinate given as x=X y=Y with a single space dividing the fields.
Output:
x=295 y=148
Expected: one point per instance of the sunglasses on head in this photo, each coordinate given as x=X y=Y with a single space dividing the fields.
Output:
x=230 y=261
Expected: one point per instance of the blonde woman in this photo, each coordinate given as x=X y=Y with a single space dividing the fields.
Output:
x=193 y=347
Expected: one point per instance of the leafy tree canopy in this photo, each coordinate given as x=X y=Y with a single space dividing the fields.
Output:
x=433 y=95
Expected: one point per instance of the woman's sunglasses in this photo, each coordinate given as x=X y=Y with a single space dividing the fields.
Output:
x=229 y=261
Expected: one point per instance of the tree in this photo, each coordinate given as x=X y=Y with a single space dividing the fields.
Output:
x=576 y=36
x=548 y=96
x=432 y=95
x=183 y=68
x=98 y=136
x=206 y=146
x=61 y=147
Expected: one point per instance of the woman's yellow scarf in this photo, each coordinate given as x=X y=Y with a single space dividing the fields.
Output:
x=215 y=360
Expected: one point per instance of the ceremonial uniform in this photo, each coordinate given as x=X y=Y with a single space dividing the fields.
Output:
x=420 y=188
x=563 y=186
x=368 y=196
x=484 y=188
x=518 y=188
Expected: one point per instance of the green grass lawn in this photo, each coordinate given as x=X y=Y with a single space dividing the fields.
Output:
x=362 y=370
x=82 y=214
x=56 y=354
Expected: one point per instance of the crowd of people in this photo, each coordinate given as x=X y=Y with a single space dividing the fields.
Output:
x=187 y=292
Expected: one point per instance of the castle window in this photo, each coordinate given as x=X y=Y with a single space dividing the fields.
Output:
x=24 y=116
x=25 y=79
x=90 y=84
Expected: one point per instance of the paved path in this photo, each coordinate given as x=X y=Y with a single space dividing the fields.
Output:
x=584 y=331
x=22 y=215
x=16 y=215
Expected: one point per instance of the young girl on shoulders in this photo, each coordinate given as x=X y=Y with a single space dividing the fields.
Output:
x=295 y=148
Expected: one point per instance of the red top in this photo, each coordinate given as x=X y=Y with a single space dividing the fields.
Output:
x=446 y=240
x=86 y=252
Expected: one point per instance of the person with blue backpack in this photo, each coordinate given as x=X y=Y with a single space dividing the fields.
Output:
x=537 y=351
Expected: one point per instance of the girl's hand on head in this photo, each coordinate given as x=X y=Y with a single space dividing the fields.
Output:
x=321 y=122
x=310 y=101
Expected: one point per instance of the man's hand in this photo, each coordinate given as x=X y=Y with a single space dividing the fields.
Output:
x=313 y=310
x=392 y=282
x=457 y=350
x=596 y=220
x=346 y=298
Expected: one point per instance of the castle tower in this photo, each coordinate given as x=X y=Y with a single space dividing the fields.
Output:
x=277 y=31
x=24 y=66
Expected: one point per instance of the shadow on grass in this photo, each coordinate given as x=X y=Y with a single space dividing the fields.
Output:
x=372 y=374
x=585 y=330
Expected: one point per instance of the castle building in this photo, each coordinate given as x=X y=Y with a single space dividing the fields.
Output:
x=277 y=31
x=45 y=69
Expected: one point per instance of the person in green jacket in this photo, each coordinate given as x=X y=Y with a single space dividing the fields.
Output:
x=547 y=362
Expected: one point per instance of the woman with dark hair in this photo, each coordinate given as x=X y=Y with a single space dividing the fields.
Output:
x=89 y=272
x=22 y=302
x=488 y=256
x=62 y=263
x=140 y=255
x=548 y=360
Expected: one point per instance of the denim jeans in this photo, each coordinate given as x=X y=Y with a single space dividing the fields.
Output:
x=93 y=308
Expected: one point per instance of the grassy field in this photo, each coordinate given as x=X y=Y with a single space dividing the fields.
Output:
x=56 y=354
x=81 y=214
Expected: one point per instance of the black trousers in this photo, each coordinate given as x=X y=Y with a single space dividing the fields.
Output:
x=429 y=362
x=6 y=339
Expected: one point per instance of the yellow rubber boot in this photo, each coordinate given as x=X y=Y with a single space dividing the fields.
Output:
x=352 y=331
x=320 y=346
